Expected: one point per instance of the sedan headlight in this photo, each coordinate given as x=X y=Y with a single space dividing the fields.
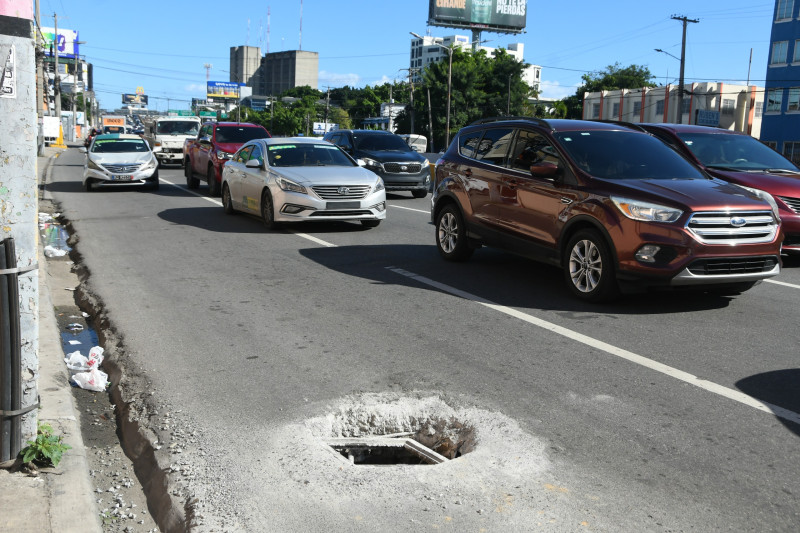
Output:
x=372 y=164
x=645 y=211
x=288 y=185
x=767 y=197
x=150 y=164
x=379 y=185
x=94 y=166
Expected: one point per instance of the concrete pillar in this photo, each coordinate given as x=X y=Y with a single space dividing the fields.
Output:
x=18 y=183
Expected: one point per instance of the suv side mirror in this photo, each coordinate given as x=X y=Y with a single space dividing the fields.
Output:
x=546 y=170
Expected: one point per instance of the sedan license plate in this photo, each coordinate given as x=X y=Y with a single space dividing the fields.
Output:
x=342 y=205
x=123 y=177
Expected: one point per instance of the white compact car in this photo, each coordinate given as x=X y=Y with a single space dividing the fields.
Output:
x=298 y=179
x=119 y=159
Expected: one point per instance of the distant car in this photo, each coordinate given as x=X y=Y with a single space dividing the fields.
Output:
x=739 y=158
x=388 y=156
x=301 y=179
x=119 y=159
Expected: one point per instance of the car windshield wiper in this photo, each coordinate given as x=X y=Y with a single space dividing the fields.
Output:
x=723 y=167
x=780 y=171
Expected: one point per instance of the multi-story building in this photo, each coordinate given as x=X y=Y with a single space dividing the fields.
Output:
x=724 y=105
x=281 y=71
x=425 y=51
x=244 y=64
x=781 y=128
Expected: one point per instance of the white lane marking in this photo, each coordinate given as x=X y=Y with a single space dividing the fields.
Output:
x=410 y=209
x=219 y=203
x=612 y=350
x=792 y=285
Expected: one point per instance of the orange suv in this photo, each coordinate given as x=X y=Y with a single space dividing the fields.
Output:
x=612 y=206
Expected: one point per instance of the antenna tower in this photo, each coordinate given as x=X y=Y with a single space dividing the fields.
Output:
x=208 y=67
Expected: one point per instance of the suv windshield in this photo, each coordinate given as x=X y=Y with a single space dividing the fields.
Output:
x=236 y=134
x=625 y=155
x=174 y=127
x=380 y=143
x=739 y=152
x=307 y=155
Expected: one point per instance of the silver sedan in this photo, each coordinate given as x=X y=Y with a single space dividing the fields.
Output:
x=296 y=179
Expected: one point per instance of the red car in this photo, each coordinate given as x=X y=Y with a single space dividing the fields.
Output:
x=741 y=159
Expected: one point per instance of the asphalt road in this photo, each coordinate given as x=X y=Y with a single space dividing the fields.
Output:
x=665 y=412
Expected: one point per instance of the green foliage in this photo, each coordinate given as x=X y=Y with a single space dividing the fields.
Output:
x=612 y=78
x=47 y=449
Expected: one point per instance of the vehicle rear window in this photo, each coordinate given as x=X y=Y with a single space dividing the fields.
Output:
x=380 y=143
x=237 y=134
x=175 y=127
x=740 y=152
x=625 y=155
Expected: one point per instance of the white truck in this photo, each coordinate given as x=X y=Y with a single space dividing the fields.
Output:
x=166 y=136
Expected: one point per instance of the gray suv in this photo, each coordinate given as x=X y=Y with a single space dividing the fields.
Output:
x=388 y=156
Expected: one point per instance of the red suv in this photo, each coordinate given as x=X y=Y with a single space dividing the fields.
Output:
x=611 y=205
x=741 y=159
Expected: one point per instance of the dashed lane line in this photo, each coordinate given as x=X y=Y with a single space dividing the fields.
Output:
x=675 y=373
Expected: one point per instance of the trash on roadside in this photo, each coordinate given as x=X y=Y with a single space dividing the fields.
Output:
x=94 y=380
x=74 y=327
x=96 y=357
x=76 y=358
x=55 y=239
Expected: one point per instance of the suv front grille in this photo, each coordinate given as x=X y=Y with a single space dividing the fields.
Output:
x=122 y=169
x=397 y=168
x=733 y=227
x=793 y=203
x=341 y=192
x=731 y=266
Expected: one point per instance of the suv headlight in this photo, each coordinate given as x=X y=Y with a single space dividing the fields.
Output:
x=372 y=164
x=288 y=185
x=767 y=197
x=645 y=211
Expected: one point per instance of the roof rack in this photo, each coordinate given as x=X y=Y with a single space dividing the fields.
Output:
x=539 y=121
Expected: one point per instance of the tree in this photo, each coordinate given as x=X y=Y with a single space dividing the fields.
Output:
x=612 y=78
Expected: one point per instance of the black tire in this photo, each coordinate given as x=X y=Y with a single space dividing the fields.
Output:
x=191 y=181
x=89 y=186
x=451 y=235
x=268 y=211
x=370 y=223
x=589 y=267
x=227 y=201
x=419 y=194
x=213 y=184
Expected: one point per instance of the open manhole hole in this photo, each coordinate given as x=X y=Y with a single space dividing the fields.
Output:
x=431 y=442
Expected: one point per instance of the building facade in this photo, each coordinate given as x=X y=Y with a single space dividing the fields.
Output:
x=723 y=105
x=425 y=51
x=244 y=64
x=281 y=71
x=781 y=128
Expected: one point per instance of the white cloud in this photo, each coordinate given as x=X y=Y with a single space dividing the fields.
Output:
x=553 y=89
x=195 y=88
x=335 y=79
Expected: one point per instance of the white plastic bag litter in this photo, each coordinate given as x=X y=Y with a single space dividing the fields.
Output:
x=75 y=358
x=95 y=380
x=96 y=357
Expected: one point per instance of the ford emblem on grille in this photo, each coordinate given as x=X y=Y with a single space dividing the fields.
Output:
x=343 y=190
x=738 y=222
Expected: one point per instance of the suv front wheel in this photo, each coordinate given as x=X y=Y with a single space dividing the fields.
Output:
x=451 y=236
x=589 y=268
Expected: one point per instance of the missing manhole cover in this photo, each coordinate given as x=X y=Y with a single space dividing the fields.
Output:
x=385 y=451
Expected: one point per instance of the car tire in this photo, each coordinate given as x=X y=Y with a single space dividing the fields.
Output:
x=227 y=201
x=589 y=267
x=419 y=194
x=370 y=223
x=191 y=181
x=451 y=235
x=89 y=186
x=213 y=184
x=268 y=211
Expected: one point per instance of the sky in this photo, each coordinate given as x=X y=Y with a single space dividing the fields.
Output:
x=163 y=46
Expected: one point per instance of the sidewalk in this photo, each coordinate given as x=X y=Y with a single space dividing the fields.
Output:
x=59 y=499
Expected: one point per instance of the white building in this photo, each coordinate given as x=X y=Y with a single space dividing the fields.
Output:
x=733 y=107
x=425 y=51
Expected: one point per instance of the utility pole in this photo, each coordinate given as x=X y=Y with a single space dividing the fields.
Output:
x=685 y=21
x=327 y=108
x=19 y=282
x=430 y=119
x=57 y=78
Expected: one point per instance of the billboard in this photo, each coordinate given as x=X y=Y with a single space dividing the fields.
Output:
x=134 y=99
x=498 y=15
x=66 y=42
x=223 y=89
